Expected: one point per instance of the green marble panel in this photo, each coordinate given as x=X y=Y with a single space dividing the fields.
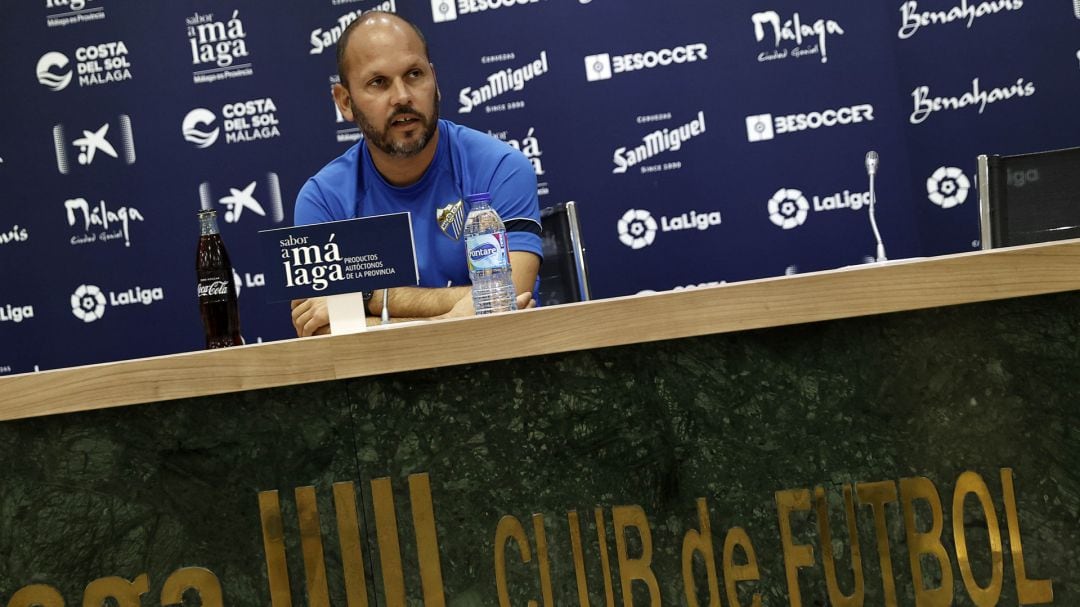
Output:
x=729 y=418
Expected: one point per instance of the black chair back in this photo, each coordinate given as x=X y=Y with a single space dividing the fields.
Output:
x=1029 y=198
x=563 y=275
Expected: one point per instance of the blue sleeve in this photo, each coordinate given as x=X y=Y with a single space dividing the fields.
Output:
x=513 y=196
x=311 y=205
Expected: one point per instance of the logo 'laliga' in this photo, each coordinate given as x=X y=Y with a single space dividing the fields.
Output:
x=788 y=208
x=88 y=303
x=948 y=187
x=637 y=229
x=196 y=118
x=45 y=75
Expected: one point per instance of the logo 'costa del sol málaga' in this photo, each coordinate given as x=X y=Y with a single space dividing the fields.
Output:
x=948 y=187
x=51 y=72
x=195 y=126
x=88 y=303
x=95 y=64
x=252 y=120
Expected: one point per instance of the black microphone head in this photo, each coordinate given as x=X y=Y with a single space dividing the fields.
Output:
x=871 y=162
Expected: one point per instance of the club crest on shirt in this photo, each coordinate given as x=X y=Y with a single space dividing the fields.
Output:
x=451 y=219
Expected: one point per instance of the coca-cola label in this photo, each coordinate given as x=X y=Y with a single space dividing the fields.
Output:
x=213 y=289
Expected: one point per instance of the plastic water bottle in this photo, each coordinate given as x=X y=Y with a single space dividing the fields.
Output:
x=489 y=257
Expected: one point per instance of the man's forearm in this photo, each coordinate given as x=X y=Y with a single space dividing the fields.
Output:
x=417 y=302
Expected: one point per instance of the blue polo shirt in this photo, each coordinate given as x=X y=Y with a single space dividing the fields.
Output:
x=466 y=162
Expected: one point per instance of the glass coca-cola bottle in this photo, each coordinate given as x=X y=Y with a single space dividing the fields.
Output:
x=217 y=293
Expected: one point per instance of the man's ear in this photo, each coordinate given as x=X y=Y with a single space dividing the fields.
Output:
x=341 y=98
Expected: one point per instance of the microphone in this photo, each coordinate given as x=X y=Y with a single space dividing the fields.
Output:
x=872 y=164
x=872 y=160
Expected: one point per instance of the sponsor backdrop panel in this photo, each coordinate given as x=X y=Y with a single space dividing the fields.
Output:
x=703 y=143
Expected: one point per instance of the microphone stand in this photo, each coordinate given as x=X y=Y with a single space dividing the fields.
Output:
x=871 y=169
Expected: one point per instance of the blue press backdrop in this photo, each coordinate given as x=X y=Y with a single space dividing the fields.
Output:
x=664 y=121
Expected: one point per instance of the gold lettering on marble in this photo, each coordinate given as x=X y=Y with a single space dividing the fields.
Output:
x=509 y=528
x=307 y=514
x=623 y=517
x=605 y=562
x=700 y=541
x=201 y=580
x=970 y=483
x=744 y=572
x=352 y=551
x=579 y=558
x=837 y=598
x=543 y=560
x=796 y=556
x=926 y=543
x=273 y=532
x=125 y=593
x=427 y=541
x=877 y=495
x=36 y=595
x=386 y=532
x=1028 y=591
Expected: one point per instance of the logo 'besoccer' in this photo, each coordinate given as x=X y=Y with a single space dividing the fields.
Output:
x=637 y=229
x=788 y=208
x=88 y=303
x=948 y=187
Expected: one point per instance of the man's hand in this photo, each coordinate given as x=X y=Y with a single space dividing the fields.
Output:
x=464 y=306
x=310 y=317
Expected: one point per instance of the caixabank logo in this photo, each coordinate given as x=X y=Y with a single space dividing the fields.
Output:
x=61 y=13
x=793 y=37
x=242 y=122
x=450 y=10
x=95 y=65
x=219 y=49
x=764 y=127
x=604 y=66
x=325 y=38
x=913 y=17
x=979 y=97
x=790 y=208
x=95 y=145
x=89 y=302
x=637 y=229
x=246 y=198
x=499 y=84
x=658 y=142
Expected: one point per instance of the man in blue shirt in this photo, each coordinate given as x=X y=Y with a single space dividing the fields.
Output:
x=410 y=160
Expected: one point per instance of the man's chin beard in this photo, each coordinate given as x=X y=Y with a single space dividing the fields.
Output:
x=383 y=143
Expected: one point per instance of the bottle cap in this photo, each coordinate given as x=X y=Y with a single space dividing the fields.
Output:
x=207 y=212
x=471 y=198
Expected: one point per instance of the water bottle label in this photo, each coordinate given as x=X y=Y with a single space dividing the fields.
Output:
x=487 y=252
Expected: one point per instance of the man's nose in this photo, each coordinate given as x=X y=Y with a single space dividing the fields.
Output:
x=401 y=93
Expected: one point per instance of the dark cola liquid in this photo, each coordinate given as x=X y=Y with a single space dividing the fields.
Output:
x=217 y=293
